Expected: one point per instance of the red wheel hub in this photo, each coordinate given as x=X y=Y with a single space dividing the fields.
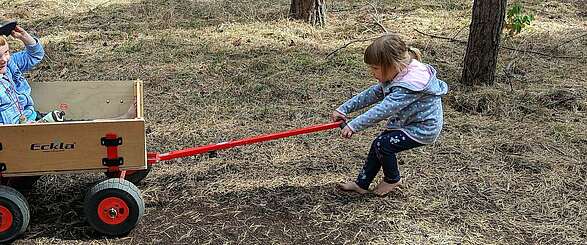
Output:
x=5 y=219
x=113 y=210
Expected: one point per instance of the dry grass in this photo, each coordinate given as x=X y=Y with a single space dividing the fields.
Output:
x=510 y=167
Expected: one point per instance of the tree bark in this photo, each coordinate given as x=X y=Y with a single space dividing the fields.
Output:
x=311 y=11
x=483 y=45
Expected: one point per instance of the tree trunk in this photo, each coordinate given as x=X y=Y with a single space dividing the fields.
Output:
x=311 y=11
x=483 y=45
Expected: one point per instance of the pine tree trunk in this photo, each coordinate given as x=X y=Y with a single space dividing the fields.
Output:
x=483 y=45
x=311 y=11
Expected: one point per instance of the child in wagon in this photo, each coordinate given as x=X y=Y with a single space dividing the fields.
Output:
x=408 y=95
x=16 y=103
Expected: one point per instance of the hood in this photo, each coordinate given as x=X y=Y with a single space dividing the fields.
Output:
x=414 y=77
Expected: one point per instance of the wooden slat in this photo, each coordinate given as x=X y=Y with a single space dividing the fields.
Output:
x=82 y=100
x=140 y=98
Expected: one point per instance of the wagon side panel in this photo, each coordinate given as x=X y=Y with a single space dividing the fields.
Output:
x=74 y=146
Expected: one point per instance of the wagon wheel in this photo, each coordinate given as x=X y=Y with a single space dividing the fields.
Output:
x=134 y=176
x=14 y=213
x=114 y=207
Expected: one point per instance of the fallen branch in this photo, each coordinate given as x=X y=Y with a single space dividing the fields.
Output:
x=570 y=40
x=509 y=74
x=381 y=26
x=460 y=30
x=543 y=54
x=440 y=37
x=377 y=18
x=349 y=43
x=503 y=47
x=558 y=102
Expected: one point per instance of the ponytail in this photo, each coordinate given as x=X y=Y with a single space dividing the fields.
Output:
x=415 y=53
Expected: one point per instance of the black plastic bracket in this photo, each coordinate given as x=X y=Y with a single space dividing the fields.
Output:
x=111 y=142
x=112 y=162
x=2 y=167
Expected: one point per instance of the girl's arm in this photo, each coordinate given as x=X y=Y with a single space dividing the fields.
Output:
x=362 y=100
x=32 y=55
x=399 y=99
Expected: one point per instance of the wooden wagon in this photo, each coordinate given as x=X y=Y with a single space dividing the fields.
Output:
x=91 y=140
x=79 y=144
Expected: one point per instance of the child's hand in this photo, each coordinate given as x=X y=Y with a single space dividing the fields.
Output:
x=23 y=35
x=347 y=132
x=337 y=116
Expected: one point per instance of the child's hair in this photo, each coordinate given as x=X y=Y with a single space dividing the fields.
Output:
x=390 y=50
x=2 y=41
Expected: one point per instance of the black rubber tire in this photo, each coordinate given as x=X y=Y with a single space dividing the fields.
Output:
x=136 y=177
x=15 y=202
x=121 y=189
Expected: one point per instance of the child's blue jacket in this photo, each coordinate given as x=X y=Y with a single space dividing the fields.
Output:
x=416 y=111
x=19 y=62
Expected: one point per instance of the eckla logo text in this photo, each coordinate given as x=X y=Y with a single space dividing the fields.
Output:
x=52 y=147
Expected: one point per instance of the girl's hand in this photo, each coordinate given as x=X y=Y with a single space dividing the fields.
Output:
x=24 y=36
x=337 y=116
x=347 y=132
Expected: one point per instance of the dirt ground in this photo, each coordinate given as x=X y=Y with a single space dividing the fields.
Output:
x=509 y=168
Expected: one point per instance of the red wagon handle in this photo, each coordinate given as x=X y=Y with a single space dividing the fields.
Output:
x=155 y=157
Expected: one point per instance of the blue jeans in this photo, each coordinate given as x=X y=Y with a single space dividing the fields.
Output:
x=382 y=154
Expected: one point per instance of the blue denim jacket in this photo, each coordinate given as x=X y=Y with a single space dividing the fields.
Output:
x=414 y=110
x=19 y=62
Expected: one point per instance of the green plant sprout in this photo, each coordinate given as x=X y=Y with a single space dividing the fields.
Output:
x=517 y=20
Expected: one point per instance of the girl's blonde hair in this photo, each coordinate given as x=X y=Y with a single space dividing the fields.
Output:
x=390 y=50
x=3 y=41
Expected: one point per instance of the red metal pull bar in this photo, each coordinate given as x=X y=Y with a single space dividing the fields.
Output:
x=246 y=141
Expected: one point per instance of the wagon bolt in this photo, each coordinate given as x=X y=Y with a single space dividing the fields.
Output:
x=112 y=212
